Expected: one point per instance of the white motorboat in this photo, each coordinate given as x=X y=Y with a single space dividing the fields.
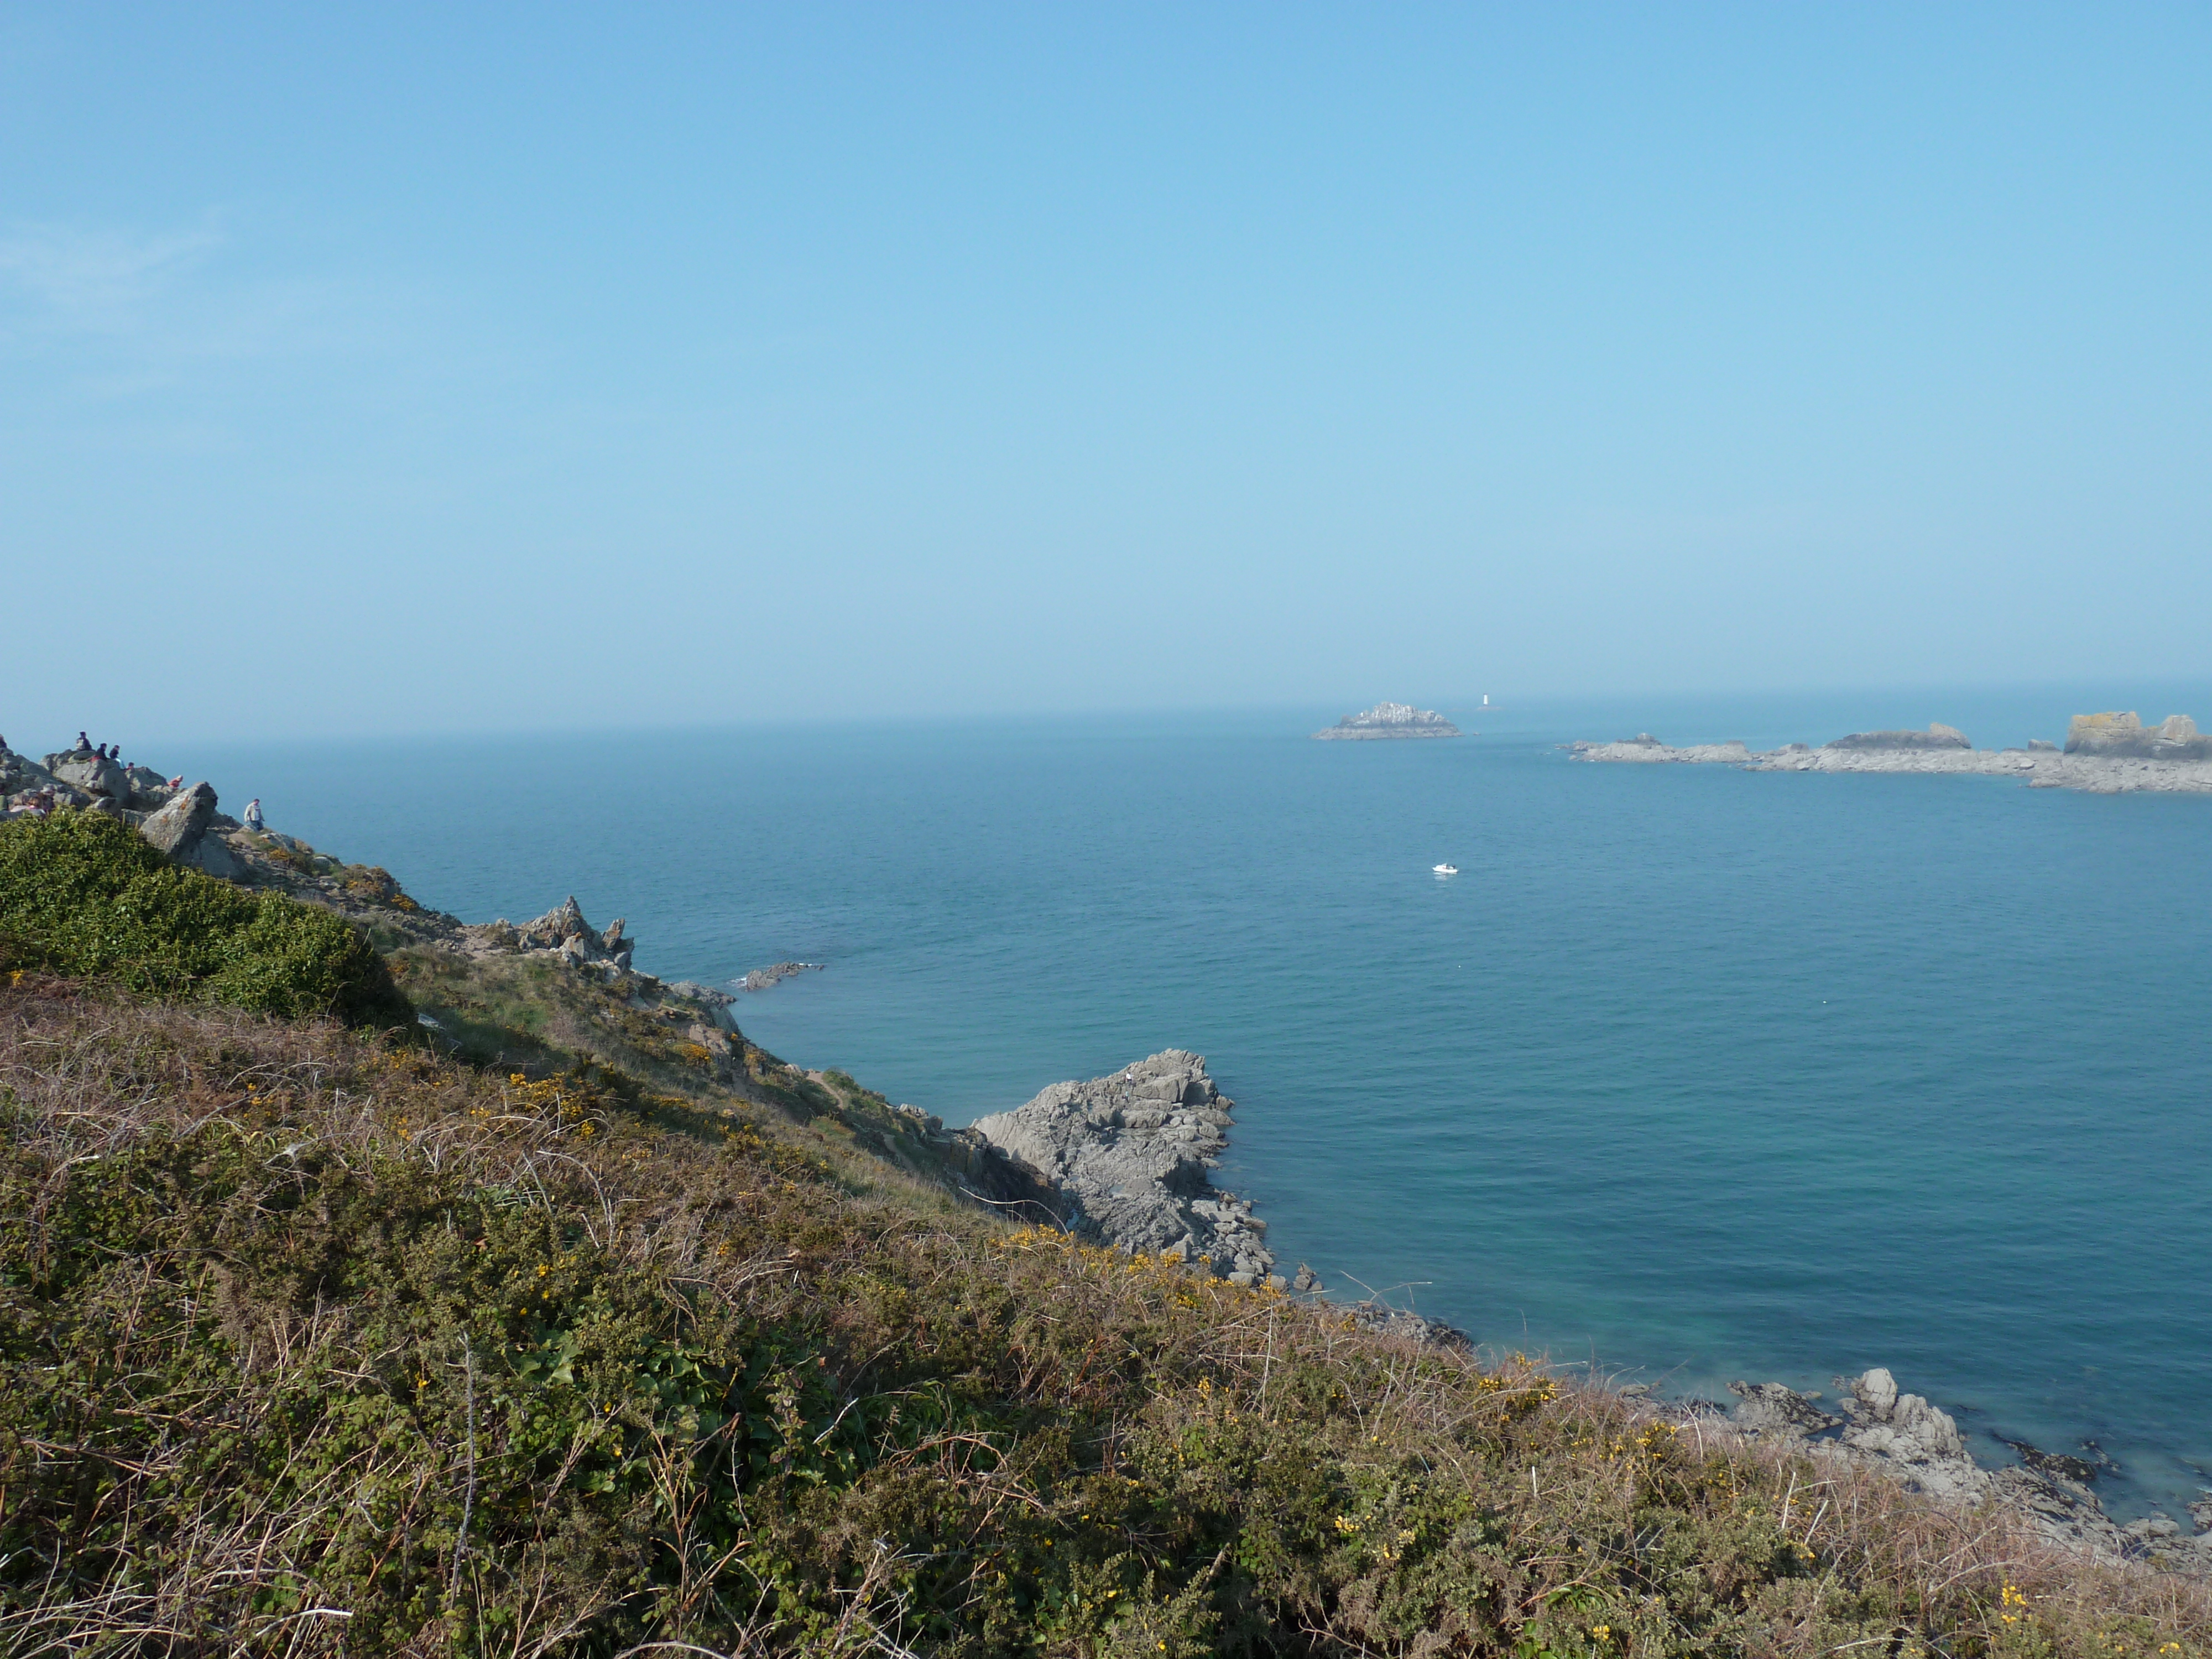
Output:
x=1445 y=869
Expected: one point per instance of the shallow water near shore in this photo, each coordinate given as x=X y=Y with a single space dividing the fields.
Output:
x=1691 y=1073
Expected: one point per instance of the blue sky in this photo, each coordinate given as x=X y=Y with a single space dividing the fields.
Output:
x=410 y=369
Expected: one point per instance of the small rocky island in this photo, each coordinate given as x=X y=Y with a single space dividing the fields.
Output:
x=1391 y=719
x=2108 y=754
x=1131 y=1156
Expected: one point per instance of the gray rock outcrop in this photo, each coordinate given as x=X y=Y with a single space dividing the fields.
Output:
x=2174 y=738
x=562 y=932
x=1131 y=1156
x=1937 y=736
x=1391 y=719
x=1904 y=1437
x=185 y=829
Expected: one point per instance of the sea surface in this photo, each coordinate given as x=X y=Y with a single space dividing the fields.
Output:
x=1689 y=1074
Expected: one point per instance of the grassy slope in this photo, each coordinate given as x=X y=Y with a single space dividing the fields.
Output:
x=318 y=1341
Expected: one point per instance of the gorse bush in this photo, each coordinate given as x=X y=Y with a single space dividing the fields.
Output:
x=84 y=895
x=309 y=1344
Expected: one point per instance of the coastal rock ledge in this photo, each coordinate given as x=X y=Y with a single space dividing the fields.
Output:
x=1391 y=719
x=1902 y=1436
x=1131 y=1156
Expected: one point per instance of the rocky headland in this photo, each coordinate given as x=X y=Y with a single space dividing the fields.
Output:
x=1391 y=719
x=2104 y=753
x=1133 y=1156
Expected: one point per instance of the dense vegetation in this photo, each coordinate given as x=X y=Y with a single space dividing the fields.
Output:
x=82 y=894
x=314 y=1342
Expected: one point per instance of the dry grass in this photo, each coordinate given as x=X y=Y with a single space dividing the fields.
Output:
x=318 y=1345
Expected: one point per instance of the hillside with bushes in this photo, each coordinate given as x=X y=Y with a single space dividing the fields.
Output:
x=326 y=1331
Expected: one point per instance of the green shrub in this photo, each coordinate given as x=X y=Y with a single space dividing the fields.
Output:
x=84 y=895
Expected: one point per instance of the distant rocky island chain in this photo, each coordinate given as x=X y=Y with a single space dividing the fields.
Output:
x=1391 y=719
x=2107 y=754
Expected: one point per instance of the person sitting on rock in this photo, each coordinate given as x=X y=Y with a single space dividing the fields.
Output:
x=83 y=743
x=254 y=818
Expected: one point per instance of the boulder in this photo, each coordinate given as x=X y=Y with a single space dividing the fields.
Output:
x=94 y=774
x=1937 y=736
x=212 y=855
x=20 y=775
x=177 y=827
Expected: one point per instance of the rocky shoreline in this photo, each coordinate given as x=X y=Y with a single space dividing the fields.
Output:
x=2105 y=754
x=1127 y=1159
x=1904 y=1438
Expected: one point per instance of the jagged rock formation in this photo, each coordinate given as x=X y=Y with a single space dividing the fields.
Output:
x=1903 y=1436
x=1131 y=1155
x=1391 y=719
x=1937 y=736
x=564 y=933
x=2173 y=738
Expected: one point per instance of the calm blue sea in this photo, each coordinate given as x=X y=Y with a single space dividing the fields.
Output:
x=1690 y=1073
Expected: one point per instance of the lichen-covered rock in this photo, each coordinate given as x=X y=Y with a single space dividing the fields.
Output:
x=1131 y=1155
x=177 y=827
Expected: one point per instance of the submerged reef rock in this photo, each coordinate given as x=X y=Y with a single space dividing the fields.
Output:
x=1937 y=736
x=762 y=979
x=1130 y=1155
x=2174 y=738
x=1391 y=719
